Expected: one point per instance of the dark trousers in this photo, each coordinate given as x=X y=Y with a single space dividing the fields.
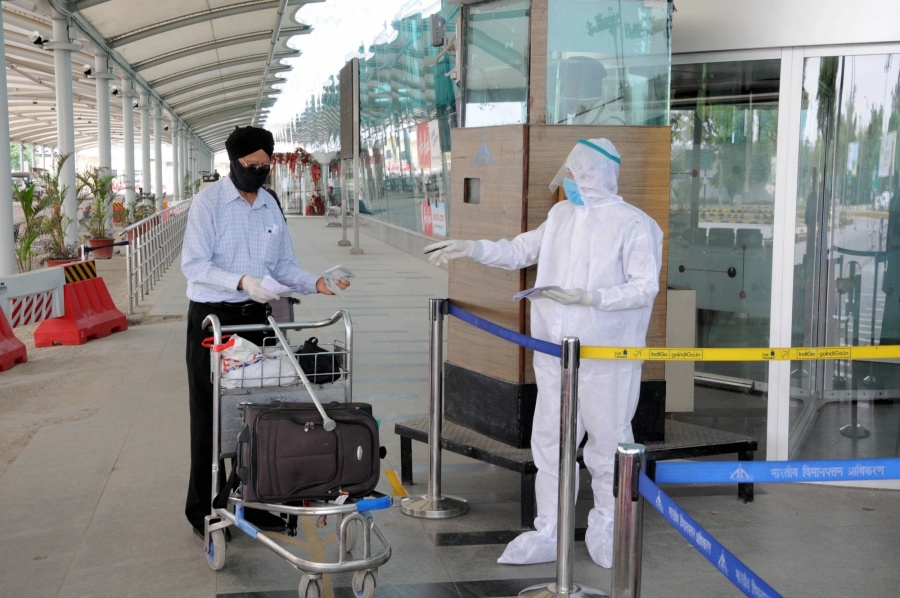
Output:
x=200 y=392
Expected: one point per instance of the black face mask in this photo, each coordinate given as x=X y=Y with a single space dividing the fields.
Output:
x=245 y=180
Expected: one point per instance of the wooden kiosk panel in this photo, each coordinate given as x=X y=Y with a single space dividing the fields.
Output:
x=492 y=159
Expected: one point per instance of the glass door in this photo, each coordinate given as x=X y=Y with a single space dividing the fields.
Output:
x=724 y=119
x=847 y=257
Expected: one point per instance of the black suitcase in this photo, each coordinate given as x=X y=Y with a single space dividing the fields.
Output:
x=284 y=454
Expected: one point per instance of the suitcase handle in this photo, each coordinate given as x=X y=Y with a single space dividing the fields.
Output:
x=328 y=424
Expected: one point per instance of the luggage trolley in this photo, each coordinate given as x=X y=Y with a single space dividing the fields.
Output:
x=229 y=397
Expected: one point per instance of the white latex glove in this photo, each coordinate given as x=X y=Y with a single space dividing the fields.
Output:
x=444 y=251
x=570 y=296
x=254 y=288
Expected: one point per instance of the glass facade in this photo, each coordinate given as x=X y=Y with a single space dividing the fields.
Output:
x=608 y=62
x=496 y=63
x=408 y=103
x=724 y=132
x=846 y=252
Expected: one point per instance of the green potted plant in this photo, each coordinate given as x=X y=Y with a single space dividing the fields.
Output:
x=55 y=221
x=29 y=231
x=97 y=183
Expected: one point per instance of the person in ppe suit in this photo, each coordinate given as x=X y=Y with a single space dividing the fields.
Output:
x=605 y=256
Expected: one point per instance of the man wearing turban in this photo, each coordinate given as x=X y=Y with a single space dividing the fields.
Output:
x=235 y=236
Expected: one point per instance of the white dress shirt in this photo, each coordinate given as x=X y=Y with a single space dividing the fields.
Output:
x=227 y=238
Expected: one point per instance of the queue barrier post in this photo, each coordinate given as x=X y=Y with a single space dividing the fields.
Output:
x=433 y=505
x=568 y=468
x=629 y=522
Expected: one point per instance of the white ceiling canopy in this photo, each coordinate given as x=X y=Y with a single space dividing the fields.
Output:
x=211 y=64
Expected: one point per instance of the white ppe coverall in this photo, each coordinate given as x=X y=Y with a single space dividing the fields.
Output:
x=608 y=253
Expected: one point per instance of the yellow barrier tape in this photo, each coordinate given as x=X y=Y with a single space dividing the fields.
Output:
x=741 y=354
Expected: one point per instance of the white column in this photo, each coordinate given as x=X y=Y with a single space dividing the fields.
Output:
x=146 y=178
x=7 y=253
x=176 y=187
x=62 y=47
x=182 y=161
x=128 y=139
x=104 y=136
x=157 y=153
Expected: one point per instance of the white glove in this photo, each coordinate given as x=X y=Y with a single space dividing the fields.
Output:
x=254 y=288
x=444 y=251
x=570 y=296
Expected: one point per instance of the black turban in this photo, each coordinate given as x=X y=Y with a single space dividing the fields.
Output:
x=243 y=141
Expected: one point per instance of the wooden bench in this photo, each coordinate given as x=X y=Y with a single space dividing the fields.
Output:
x=682 y=441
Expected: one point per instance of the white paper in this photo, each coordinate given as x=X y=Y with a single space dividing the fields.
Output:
x=270 y=284
x=336 y=273
x=534 y=293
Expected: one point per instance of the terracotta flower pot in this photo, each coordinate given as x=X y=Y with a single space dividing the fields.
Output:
x=106 y=248
x=52 y=263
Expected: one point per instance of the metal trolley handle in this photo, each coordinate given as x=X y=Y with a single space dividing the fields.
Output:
x=328 y=422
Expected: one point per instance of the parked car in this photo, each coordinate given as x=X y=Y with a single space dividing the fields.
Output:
x=23 y=179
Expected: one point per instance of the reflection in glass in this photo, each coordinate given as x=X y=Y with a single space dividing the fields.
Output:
x=724 y=124
x=847 y=257
x=496 y=72
x=607 y=62
x=407 y=108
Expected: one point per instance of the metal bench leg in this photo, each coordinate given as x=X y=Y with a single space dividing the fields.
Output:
x=745 y=491
x=528 y=508
x=406 y=460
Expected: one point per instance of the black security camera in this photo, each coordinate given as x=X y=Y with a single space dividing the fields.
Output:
x=165 y=127
x=87 y=70
x=114 y=90
x=136 y=104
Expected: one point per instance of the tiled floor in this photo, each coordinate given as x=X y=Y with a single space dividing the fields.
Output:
x=92 y=502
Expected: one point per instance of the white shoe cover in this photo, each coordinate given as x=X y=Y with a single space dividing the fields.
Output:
x=529 y=548
x=600 y=546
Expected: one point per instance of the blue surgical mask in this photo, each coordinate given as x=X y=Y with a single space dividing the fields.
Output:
x=572 y=192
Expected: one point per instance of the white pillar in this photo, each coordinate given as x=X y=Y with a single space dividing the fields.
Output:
x=176 y=162
x=128 y=139
x=182 y=161
x=146 y=174
x=7 y=251
x=104 y=136
x=62 y=47
x=157 y=153
x=174 y=191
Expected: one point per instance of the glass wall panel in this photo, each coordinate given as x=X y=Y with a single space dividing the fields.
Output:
x=608 y=62
x=724 y=123
x=407 y=108
x=496 y=65
x=847 y=249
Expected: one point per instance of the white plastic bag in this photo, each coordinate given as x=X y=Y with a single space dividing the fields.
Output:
x=245 y=365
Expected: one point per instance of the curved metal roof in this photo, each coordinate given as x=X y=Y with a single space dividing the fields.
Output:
x=212 y=64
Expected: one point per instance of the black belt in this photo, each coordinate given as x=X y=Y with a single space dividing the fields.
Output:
x=247 y=308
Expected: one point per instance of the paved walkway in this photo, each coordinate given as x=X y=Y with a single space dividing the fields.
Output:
x=94 y=459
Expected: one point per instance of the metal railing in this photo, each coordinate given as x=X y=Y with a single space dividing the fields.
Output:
x=153 y=244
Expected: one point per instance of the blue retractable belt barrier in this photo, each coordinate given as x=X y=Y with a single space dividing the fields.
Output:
x=504 y=333
x=374 y=504
x=728 y=565
x=728 y=472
